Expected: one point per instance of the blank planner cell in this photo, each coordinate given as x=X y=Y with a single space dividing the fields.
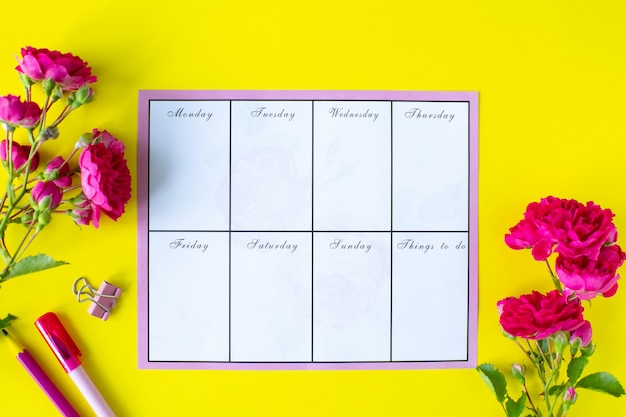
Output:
x=430 y=291
x=271 y=165
x=189 y=145
x=189 y=296
x=430 y=166
x=352 y=304
x=352 y=166
x=271 y=297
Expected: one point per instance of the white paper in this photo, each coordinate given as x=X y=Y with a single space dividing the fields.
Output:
x=317 y=230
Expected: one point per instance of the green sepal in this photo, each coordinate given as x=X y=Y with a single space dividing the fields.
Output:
x=588 y=350
x=602 y=382
x=26 y=81
x=49 y=133
x=57 y=93
x=518 y=373
x=494 y=379
x=48 y=86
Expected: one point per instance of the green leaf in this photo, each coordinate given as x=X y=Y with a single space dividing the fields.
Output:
x=515 y=408
x=32 y=264
x=494 y=379
x=6 y=322
x=602 y=382
x=576 y=367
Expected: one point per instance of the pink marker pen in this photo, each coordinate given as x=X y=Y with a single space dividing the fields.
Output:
x=67 y=353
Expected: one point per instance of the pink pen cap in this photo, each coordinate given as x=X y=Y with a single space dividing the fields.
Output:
x=59 y=341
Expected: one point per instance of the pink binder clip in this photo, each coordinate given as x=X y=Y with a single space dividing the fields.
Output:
x=102 y=301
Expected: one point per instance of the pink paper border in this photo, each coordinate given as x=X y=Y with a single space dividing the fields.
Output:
x=142 y=217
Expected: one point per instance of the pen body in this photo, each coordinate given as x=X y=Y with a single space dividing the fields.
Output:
x=46 y=384
x=90 y=392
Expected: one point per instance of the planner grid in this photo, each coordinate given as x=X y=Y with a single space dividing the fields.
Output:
x=307 y=230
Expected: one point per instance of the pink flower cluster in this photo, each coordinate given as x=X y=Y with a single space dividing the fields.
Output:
x=40 y=183
x=104 y=174
x=557 y=336
x=583 y=236
x=105 y=178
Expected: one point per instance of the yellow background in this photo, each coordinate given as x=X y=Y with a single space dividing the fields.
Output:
x=550 y=77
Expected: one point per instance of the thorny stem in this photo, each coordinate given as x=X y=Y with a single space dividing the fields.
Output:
x=538 y=366
x=543 y=355
x=529 y=397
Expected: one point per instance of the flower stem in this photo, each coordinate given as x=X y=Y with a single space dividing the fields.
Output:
x=555 y=278
x=13 y=196
x=523 y=350
x=546 y=359
x=529 y=397
x=44 y=111
x=24 y=243
x=66 y=111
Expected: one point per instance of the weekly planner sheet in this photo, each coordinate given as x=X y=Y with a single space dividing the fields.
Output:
x=307 y=229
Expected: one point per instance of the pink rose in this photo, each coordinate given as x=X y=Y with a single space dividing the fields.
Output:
x=57 y=171
x=15 y=112
x=584 y=230
x=534 y=231
x=19 y=155
x=105 y=177
x=68 y=71
x=525 y=235
x=537 y=316
x=585 y=278
x=47 y=195
x=576 y=229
